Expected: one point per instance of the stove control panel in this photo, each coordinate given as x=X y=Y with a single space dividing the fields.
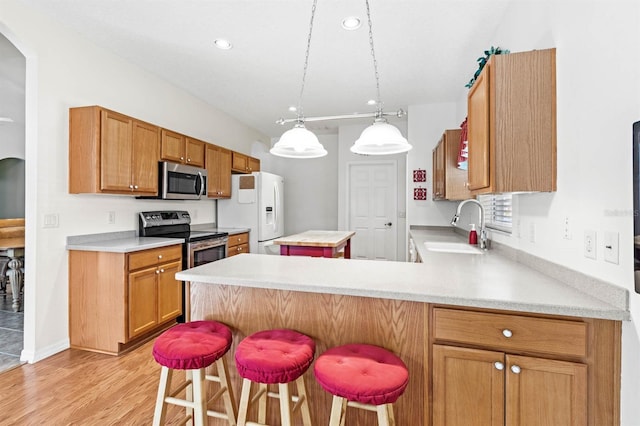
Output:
x=164 y=217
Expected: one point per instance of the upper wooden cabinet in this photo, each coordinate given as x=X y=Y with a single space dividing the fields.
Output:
x=182 y=149
x=449 y=182
x=242 y=163
x=218 y=163
x=512 y=124
x=112 y=153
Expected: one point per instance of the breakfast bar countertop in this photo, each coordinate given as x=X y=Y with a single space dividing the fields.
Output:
x=486 y=281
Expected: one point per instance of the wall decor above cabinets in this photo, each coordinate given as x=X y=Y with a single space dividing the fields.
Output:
x=512 y=124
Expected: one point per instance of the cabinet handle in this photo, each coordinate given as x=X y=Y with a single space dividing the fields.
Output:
x=181 y=158
x=515 y=369
x=188 y=160
x=157 y=272
x=159 y=256
x=161 y=270
x=135 y=186
x=498 y=365
x=130 y=186
x=507 y=333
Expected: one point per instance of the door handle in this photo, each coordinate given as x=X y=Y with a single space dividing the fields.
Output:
x=388 y=224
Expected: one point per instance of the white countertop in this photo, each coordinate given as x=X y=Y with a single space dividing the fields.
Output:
x=124 y=245
x=487 y=281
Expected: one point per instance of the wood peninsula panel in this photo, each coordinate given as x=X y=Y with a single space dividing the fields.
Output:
x=330 y=320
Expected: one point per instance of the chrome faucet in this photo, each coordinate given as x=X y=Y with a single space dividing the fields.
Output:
x=483 y=232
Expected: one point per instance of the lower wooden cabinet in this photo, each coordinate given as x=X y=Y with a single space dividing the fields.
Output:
x=118 y=300
x=472 y=386
x=500 y=368
x=238 y=243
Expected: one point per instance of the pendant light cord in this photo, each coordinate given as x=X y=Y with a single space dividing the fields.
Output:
x=306 y=63
x=375 y=62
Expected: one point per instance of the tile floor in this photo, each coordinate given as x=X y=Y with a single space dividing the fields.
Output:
x=11 y=334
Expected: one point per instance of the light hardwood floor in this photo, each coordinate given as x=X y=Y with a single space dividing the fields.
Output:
x=83 y=388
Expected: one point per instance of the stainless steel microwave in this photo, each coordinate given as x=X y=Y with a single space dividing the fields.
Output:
x=180 y=182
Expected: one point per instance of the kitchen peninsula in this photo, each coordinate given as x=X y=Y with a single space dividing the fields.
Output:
x=417 y=310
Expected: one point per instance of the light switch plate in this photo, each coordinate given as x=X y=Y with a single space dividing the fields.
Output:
x=611 y=247
x=590 y=244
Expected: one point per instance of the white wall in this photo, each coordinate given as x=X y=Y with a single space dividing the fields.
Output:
x=310 y=188
x=597 y=101
x=64 y=71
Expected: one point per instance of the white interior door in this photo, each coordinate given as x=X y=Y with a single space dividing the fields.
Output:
x=372 y=210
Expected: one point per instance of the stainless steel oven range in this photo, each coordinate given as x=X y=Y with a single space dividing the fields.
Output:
x=200 y=247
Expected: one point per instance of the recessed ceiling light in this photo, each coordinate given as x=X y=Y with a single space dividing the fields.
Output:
x=223 y=44
x=351 y=23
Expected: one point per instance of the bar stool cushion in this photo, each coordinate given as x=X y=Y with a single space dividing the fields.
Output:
x=363 y=373
x=274 y=356
x=192 y=345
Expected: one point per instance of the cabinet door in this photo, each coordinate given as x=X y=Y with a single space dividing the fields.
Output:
x=239 y=162
x=169 y=292
x=438 y=172
x=218 y=161
x=143 y=301
x=172 y=146
x=479 y=132
x=224 y=173
x=145 y=157
x=545 y=392
x=115 y=151
x=253 y=164
x=194 y=150
x=468 y=387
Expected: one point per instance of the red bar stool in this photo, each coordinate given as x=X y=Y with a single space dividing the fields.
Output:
x=274 y=357
x=193 y=347
x=362 y=376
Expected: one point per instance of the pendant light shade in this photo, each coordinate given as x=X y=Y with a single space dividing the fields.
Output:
x=381 y=138
x=298 y=143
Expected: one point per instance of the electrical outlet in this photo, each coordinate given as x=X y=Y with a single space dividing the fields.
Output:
x=611 y=247
x=112 y=218
x=51 y=220
x=567 y=235
x=590 y=244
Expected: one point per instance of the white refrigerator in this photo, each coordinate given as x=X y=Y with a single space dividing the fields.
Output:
x=256 y=203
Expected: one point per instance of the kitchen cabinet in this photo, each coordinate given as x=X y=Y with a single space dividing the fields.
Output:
x=241 y=163
x=495 y=369
x=112 y=153
x=182 y=149
x=238 y=243
x=512 y=124
x=155 y=296
x=119 y=300
x=449 y=182
x=218 y=164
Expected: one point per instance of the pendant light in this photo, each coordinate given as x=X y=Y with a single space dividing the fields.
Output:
x=380 y=138
x=300 y=142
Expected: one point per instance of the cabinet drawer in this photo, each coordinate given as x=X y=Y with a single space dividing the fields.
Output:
x=238 y=239
x=511 y=332
x=153 y=257
x=242 y=248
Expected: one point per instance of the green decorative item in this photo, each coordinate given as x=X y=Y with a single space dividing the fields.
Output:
x=482 y=61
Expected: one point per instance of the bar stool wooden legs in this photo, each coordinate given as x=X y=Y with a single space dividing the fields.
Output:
x=193 y=347
x=274 y=357
x=361 y=376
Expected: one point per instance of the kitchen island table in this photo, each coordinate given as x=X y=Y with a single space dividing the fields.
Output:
x=316 y=244
x=394 y=305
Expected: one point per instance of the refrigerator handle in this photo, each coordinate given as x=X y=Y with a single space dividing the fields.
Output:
x=276 y=196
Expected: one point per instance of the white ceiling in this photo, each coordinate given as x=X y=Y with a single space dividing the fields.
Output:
x=426 y=50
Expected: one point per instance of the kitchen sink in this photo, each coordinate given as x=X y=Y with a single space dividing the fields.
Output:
x=452 y=247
